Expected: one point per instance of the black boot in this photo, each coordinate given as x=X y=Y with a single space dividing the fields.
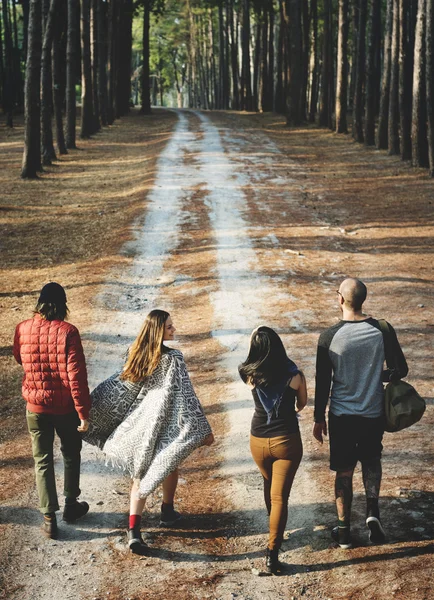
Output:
x=376 y=531
x=75 y=511
x=169 y=516
x=272 y=564
x=136 y=543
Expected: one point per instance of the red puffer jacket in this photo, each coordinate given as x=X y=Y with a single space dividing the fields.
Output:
x=55 y=377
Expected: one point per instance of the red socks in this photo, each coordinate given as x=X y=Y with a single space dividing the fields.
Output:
x=134 y=522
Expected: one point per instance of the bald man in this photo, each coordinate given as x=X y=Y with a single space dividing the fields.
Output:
x=350 y=358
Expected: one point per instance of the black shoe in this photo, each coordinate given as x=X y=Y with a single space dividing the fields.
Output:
x=49 y=527
x=72 y=512
x=169 y=516
x=342 y=536
x=376 y=531
x=272 y=564
x=136 y=543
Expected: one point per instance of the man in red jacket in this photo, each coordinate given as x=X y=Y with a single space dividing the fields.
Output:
x=57 y=395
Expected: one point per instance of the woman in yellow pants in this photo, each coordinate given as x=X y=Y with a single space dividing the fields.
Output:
x=279 y=392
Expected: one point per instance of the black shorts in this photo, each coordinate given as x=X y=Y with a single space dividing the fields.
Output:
x=354 y=438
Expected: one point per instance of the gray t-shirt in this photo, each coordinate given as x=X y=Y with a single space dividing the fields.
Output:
x=357 y=355
x=351 y=357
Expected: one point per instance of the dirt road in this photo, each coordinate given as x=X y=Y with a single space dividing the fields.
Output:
x=244 y=225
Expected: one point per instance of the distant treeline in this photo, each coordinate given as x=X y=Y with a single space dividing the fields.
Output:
x=49 y=50
x=312 y=60
x=320 y=61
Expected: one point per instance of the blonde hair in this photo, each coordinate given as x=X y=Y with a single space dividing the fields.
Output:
x=145 y=352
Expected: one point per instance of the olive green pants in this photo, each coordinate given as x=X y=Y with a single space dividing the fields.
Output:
x=42 y=428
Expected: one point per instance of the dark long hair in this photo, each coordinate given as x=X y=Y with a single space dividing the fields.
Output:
x=267 y=358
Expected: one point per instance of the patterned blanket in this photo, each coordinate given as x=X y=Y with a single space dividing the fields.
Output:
x=148 y=428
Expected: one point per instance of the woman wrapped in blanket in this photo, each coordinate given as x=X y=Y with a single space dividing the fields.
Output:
x=279 y=392
x=147 y=419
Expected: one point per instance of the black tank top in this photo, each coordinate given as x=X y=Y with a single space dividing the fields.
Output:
x=284 y=424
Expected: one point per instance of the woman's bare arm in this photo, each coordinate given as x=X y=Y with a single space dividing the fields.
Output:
x=298 y=383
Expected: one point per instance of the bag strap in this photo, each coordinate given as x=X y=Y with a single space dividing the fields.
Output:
x=390 y=356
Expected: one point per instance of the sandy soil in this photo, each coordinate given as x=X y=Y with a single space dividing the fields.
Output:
x=227 y=221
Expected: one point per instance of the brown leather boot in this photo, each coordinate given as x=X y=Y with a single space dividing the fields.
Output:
x=49 y=527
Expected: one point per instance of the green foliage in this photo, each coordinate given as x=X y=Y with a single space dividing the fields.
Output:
x=168 y=43
x=155 y=6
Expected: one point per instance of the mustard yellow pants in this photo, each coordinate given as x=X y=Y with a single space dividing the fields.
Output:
x=278 y=459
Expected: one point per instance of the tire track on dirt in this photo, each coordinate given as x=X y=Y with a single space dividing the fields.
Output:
x=319 y=255
x=243 y=302
x=84 y=562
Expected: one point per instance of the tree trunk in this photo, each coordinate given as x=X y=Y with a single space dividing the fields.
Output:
x=161 y=89
x=372 y=74
x=355 y=35
x=342 y=69
x=246 y=85
x=32 y=105
x=378 y=45
x=429 y=40
x=279 y=96
x=87 y=114
x=210 y=66
x=222 y=69
x=405 y=78
x=8 y=91
x=360 y=73
x=213 y=75
x=58 y=97
x=192 y=79
x=271 y=58
x=125 y=37
x=146 y=97
x=304 y=9
x=256 y=64
x=393 y=127
x=102 y=60
x=419 y=142
x=201 y=70
x=285 y=57
x=265 y=97
x=314 y=62
x=207 y=61
x=2 y=68
x=234 y=61
x=326 y=68
x=95 y=64
x=18 y=79
x=226 y=80
x=26 y=8
x=116 y=52
x=50 y=10
x=293 y=116
x=332 y=72
x=154 y=83
x=111 y=43
x=383 y=120
x=71 y=66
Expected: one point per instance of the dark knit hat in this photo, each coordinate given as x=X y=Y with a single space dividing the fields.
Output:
x=52 y=293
